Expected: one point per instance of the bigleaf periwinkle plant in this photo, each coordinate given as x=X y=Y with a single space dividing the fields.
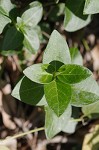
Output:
x=57 y=84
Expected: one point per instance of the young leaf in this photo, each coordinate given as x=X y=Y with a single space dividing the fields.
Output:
x=76 y=57
x=38 y=73
x=58 y=96
x=74 y=18
x=91 y=7
x=13 y=39
x=57 y=49
x=33 y=15
x=3 y=22
x=28 y=91
x=85 y=92
x=31 y=40
x=56 y=65
x=54 y=124
x=72 y=73
x=5 y=7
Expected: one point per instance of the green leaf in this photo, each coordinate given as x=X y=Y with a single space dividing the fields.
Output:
x=58 y=96
x=76 y=57
x=74 y=18
x=6 y=7
x=81 y=98
x=3 y=22
x=33 y=15
x=92 y=108
x=31 y=40
x=85 y=92
x=38 y=73
x=13 y=39
x=54 y=124
x=72 y=73
x=28 y=91
x=91 y=7
x=57 y=49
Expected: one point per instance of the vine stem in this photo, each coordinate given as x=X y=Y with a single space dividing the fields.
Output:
x=21 y=134
x=78 y=119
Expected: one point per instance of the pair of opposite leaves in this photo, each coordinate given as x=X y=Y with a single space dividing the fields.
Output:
x=59 y=76
x=57 y=79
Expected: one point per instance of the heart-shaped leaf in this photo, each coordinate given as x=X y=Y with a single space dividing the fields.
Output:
x=28 y=91
x=58 y=96
x=72 y=73
x=56 y=50
x=38 y=73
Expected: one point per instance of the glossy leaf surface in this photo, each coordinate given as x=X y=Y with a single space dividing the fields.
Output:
x=58 y=96
x=38 y=73
x=28 y=91
x=72 y=73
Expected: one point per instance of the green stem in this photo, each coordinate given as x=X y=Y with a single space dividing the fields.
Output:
x=78 y=119
x=22 y=134
x=86 y=45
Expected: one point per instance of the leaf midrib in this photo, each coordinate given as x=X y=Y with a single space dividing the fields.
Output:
x=32 y=15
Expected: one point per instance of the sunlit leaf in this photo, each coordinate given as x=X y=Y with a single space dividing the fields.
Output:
x=58 y=96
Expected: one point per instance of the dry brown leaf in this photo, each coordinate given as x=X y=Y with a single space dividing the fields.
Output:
x=91 y=140
x=7 y=107
x=95 y=57
x=10 y=143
